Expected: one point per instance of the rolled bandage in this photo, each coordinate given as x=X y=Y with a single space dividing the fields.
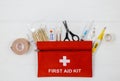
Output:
x=20 y=46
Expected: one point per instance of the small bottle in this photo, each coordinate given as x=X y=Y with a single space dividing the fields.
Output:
x=51 y=34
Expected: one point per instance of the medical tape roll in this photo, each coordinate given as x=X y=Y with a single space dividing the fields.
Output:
x=108 y=37
x=20 y=46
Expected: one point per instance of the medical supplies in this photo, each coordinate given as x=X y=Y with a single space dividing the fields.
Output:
x=109 y=37
x=58 y=33
x=98 y=41
x=39 y=35
x=74 y=36
x=20 y=46
x=86 y=31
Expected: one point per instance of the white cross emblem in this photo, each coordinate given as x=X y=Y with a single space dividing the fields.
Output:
x=64 y=61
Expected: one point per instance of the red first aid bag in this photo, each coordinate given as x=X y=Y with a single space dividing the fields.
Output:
x=65 y=59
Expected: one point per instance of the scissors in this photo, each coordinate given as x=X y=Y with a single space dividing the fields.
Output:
x=74 y=36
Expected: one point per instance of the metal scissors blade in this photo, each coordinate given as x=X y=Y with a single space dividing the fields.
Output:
x=67 y=31
x=66 y=27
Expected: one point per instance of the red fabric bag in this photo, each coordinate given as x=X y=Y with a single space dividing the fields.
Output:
x=65 y=59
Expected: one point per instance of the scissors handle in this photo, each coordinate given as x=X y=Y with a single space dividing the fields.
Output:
x=74 y=37
x=66 y=37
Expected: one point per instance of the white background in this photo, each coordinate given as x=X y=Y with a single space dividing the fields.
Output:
x=15 y=15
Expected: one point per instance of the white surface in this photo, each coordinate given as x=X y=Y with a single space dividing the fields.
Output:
x=15 y=15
